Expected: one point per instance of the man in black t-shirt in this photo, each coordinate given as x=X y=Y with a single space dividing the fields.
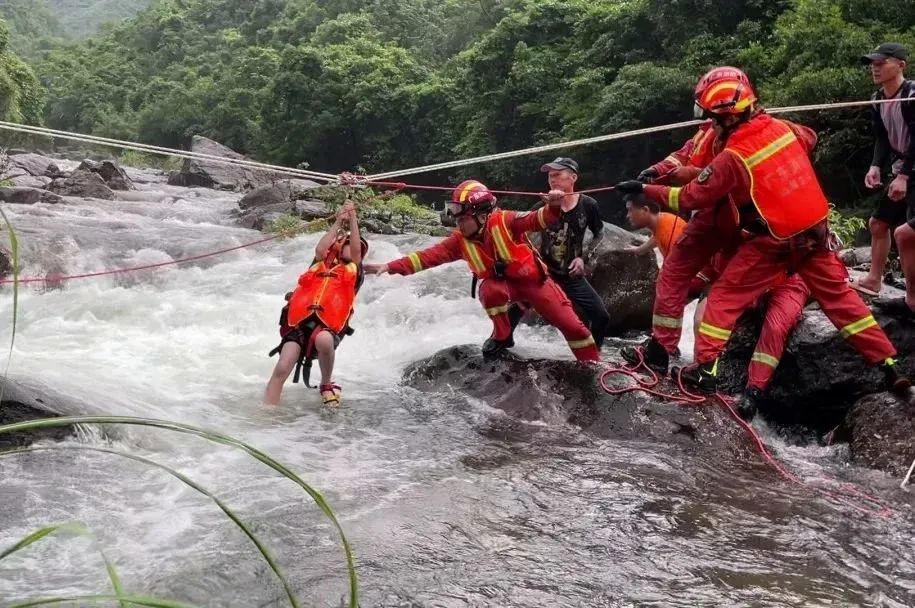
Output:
x=562 y=245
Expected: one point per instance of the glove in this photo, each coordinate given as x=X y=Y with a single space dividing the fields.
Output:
x=630 y=187
x=648 y=175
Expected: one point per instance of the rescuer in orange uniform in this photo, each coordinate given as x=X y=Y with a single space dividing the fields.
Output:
x=783 y=304
x=492 y=242
x=710 y=237
x=317 y=315
x=764 y=170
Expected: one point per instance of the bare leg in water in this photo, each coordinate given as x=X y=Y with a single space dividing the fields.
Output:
x=289 y=356
x=324 y=345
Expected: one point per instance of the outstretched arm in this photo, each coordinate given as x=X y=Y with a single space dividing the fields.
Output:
x=448 y=250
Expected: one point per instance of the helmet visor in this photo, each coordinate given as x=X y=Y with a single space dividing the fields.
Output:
x=455 y=209
x=698 y=111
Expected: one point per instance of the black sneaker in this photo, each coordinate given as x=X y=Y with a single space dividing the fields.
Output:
x=702 y=377
x=493 y=347
x=895 y=382
x=651 y=352
x=748 y=403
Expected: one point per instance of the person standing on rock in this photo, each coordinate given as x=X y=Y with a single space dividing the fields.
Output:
x=783 y=304
x=492 y=242
x=894 y=144
x=318 y=313
x=562 y=245
x=766 y=171
x=711 y=231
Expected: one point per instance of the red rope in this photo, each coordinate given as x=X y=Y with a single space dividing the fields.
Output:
x=845 y=494
x=137 y=268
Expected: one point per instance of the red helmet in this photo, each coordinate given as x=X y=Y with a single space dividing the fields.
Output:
x=724 y=90
x=470 y=196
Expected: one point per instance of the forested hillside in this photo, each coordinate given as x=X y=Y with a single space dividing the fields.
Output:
x=389 y=83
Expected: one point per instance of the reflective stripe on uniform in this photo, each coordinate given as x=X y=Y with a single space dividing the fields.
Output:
x=415 y=262
x=576 y=344
x=674 y=161
x=673 y=199
x=473 y=255
x=541 y=217
x=497 y=310
x=858 y=326
x=662 y=321
x=765 y=359
x=714 y=332
x=771 y=149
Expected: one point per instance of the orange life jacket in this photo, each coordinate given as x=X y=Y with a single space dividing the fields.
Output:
x=783 y=185
x=327 y=291
x=510 y=259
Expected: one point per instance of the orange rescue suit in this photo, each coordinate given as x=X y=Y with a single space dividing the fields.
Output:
x=327 y=292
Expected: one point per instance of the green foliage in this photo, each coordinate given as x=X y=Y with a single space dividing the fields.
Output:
x=144 y=160
x=286 y=224
x=383 y=84
x=846 y=226
x=21 y=97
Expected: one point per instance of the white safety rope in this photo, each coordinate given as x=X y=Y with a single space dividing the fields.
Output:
x=605 y=138
x=127 y=145
x=328 y=177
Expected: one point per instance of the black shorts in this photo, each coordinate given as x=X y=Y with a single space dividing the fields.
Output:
x=897 y=213
x=302 y=334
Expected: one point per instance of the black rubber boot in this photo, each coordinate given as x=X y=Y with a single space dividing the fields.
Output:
x=895 y=382
x=748 y=404
x=493 y=347
x=515 y=314
x=651 y=351
x=701 y=377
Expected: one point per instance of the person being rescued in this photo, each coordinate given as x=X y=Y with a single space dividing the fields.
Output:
x=318 y=313
x=492 y=242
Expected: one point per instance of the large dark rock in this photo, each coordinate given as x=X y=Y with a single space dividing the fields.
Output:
x=625 y=282
x=284 y=191
x=219 y=175
x=30 y=181
x=82 y=183
x=6 y=264
x=560 y=392
x=882 y=433
x=30 y=164
x=25 y=401
x=113 y=175
x=28 y=196
x=820 y=376
x=855 y=256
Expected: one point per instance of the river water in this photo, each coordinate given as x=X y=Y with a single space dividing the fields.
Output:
x=446 y=502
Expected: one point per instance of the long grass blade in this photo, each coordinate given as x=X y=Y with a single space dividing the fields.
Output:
x=216 y=438
x=37 y=535
x=86 y=600
x=71 y=528
x=14 y=254
x=261 y=546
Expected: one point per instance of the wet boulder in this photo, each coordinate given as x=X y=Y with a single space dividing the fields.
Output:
x=567 y=392
x=6 y=264
x=855 y=256
x=820 y=376
x=30 y=181
x=624 y=281
x=113 y=175
x=30 y=401
x=28 y=196
x=286 y=191
x=84 y=184
x=219 y=175
x=882 y=433
x=35 y=165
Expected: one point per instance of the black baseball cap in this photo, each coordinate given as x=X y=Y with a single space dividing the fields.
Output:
x=559 y=164
x=887 y=50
